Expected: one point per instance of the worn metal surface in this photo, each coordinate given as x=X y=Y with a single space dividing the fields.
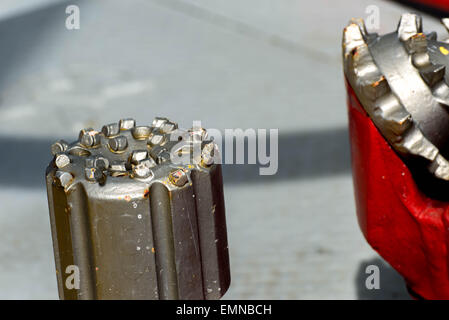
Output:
x=138 y=222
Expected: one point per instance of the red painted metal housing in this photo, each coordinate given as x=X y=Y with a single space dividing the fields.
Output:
x=435 y=4
x=407 y=228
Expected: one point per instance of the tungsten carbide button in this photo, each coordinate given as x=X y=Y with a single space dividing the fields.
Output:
x=159 y=121
x=89 y=162
x=160 y=154
x=118 y=144
x=168 y=127
x=63 y=178
x=110 y=130
x=208 y=154
x=96 y=162
x=156 y=139
x=93 y=174
x=141 y=132
x=101 y=163
x=58 y=147
x=89 y=137
x=127 y=124
x=198 y=134
x=139 y=155
x=149 y=162
x=178 y=177
x=62 y=160
x=117 y=168
x=163 y=157
x=142 y=169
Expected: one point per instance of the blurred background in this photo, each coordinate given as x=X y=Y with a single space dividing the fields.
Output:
x=231 y=64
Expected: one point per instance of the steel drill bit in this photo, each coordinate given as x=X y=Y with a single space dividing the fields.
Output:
x=134 y=222
x=401 y=80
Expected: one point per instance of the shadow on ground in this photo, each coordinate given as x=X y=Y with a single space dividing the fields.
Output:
x=22 y=35
x=392 y=285
x=301 y=155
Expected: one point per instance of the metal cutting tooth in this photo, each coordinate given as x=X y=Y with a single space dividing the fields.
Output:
x=361 y=24
x=441 y=93
x=409 y=25
x=415 y=143
x=421 y=60
x=352 y=38
x=393 y=115
x=440 y=167
x=433 y=73
x=371 y=82
x=377 y=88
x=363 y=64
x=417 y=43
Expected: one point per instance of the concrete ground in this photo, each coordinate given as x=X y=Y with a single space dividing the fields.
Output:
x=246 y=64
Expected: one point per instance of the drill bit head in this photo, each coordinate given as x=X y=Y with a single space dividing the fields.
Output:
x=401 y=81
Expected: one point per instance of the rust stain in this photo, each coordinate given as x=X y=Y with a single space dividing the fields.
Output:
x=376 y=83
